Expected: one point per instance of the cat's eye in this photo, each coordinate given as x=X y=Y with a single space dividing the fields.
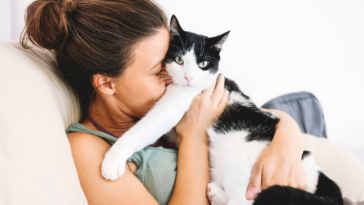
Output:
x=179 y=60
x=203 y=64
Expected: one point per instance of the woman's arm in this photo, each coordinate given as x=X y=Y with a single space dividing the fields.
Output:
x=88 y=152
x=280 y=162
x=193 y=173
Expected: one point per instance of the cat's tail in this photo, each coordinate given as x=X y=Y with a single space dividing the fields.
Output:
x=284 y=195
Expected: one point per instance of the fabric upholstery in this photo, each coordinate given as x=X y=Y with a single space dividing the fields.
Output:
x=35 y=108
x=304 y=108
x=339 y=164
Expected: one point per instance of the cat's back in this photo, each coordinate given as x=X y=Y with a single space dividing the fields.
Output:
x=242 y=115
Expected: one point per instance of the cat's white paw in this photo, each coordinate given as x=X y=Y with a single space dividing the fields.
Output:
x=215 y=194
x=113 y=165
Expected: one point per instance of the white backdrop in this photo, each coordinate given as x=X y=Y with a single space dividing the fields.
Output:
x=5 y=32
x=275 y=47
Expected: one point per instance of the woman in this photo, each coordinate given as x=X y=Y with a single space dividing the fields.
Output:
x=111 y=53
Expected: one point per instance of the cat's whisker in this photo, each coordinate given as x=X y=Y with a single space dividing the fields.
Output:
x=210 y=57
x=180 y=52
x=167 y=80
x=164 y=79
x=164 y=72
x=155 y=98
x=204 y=41
x=186 y=45
x=183 y=46
x=202 y=47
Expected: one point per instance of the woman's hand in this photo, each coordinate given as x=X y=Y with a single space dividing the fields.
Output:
x=280 y=162
x=193 y=173
x=203 y=111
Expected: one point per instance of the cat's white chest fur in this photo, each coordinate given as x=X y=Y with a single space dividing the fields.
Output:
x=231 y=160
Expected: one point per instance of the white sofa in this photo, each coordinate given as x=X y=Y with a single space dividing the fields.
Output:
x=36 y=107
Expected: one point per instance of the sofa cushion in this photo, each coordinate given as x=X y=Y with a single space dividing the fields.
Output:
x=339 y=164
x=35 y=108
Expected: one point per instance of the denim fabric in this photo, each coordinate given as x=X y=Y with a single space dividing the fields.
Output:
x=304 y=108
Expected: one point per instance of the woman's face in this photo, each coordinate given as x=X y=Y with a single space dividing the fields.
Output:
x=142 y=83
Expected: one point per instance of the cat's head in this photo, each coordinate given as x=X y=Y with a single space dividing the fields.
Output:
x=193 y=60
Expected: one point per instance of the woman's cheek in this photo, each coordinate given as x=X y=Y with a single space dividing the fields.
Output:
x=155 y=89
x=160 y=88
x=165 y=77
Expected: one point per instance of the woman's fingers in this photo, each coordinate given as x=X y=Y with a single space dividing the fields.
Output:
x=223 y=103
x=254 y=182
x=219 y=91
x=206 y=94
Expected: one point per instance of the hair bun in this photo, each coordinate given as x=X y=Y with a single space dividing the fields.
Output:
x=69 y=5
x=47 y=22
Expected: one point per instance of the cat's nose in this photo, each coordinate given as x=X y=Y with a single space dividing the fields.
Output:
x=189 y=79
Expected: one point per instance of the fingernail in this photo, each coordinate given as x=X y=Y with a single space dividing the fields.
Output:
x=249 y=194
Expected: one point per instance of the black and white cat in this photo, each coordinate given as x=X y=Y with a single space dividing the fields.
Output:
x=236 y=139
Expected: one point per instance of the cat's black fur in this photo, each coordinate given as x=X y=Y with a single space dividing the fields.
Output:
x=261 y=125
x=202 y=47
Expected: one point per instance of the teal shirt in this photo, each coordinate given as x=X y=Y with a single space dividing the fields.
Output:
x=157 y=166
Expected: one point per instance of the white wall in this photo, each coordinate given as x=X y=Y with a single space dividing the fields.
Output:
x=276 y=47
x=5 y=32
x=12 y=18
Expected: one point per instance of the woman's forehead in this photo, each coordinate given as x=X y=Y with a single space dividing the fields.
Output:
x=152 y=50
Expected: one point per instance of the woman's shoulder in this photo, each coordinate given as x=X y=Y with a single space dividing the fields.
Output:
x=86 y=145
x=86 y=132
x=86 y=140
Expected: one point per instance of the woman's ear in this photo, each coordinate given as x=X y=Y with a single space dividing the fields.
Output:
x=103 y=84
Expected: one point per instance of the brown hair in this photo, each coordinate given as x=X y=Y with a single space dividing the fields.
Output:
x=91 y=36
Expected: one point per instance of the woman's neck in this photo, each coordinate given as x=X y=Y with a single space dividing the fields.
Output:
x=113 y=120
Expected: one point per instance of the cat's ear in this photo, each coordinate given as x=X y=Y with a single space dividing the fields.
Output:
x=175 y=28
x=217 y=41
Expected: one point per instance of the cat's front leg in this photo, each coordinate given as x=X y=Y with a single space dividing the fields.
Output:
x=215 y=194
x=135 y=139
x=148 y=130
x=113 y=165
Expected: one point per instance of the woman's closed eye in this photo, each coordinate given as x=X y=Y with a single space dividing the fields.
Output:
x=161 y=68
x=158 y=69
